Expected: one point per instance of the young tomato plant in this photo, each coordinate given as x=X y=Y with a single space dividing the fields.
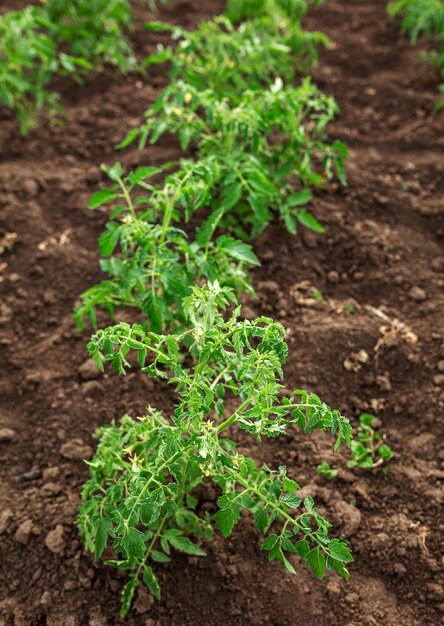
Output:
x=251 y=173
x=423 y=17
x=59 y=38
x=274 y=14
x=226 y=373
x=159 y=262
x=369 y=450
x=229 y=59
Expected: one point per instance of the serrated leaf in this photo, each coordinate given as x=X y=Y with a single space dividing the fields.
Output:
x=290 y=485
x=307 y=220
x=109 y=239
x=231 y=196
x=206 y=230
x=226 y=519
x=150 y=581
x=102 y=197
x=270 y=542
x=308 y=503
x=237 y=249
x=128 y=595
x=133 y=543
x=159 y=557
x=153 y=307
x=316 y=562
x=340 y=551
x=100 y=538
x=261 y=520
x=141 y=173
x=292 y=501
x=183 y=544
x=300 y=198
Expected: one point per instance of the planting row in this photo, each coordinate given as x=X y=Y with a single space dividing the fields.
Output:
x=59 y=38
x=75 y=37
x=426 y=18
x=182 y=232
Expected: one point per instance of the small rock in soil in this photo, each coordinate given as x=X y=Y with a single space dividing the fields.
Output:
x=51 y=472
x=5 y=517
x=7 y=435
x=439 y=380
x=76 y=450
x=30 y=186
x=417 y=294
x=269 y=285
x=349 y=517
x=46 y=598
x=89 y=370
x=383 y=382
x=31 y=475
x=248 y=313
x=440 y=365
x=23 y=532
x=54 y=540
x=92 y=388
x=438 y=265
x=51 y=489
x=333 y=277
x=144 y=601
x=399 y=569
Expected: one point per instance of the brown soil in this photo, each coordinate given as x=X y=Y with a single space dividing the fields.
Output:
x=383 y=248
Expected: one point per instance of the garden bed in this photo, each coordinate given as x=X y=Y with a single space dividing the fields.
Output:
x=383 y=252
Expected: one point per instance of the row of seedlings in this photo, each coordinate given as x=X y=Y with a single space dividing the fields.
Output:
x=259 y=146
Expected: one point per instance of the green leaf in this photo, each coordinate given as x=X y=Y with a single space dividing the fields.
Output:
x=231 y=196
x=133 y=543
x=142 y=173
x=261 y=520
x=303 y=548
x=159 y=557
x=307 y=220
x=385 y=452
x=100 y=539
x=292 y=501
x=226 y=519
x=290 y=485
x=185 y=545
x=154 y=307
x=151 y=581
x=237 y=249
x=158 y=26
x=316 y=562
x=206 y=230
x=300 y=198
x=340 y=551
x=261 y=183
x=270 y=542
x=309 y=503
x=128 y=595
x=102 y=197
x=115 y=171
x=287 y=565
x=109 y=239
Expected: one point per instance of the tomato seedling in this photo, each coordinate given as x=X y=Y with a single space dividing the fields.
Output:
x=226 y=372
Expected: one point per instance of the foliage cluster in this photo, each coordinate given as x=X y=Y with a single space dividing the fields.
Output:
x=58 y=38
x=225 y=372
x=423 y=18
x=177 y=249
x=258 y=151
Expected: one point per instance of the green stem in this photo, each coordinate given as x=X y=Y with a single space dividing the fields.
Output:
x=128 y=199
x=230 y=420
